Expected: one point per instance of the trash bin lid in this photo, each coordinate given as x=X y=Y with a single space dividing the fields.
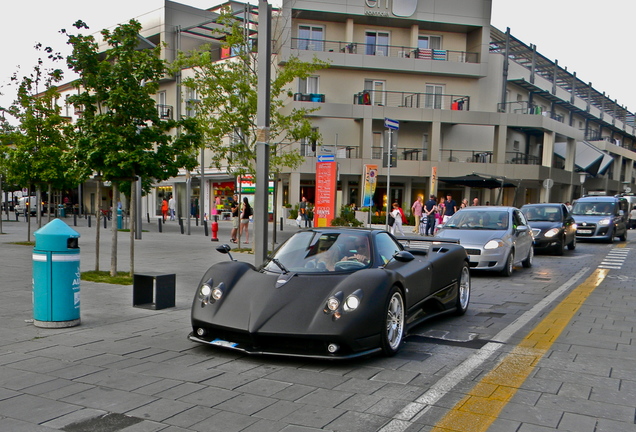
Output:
x=54 y=236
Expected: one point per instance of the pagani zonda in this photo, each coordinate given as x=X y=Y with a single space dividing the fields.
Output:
x=330 y=293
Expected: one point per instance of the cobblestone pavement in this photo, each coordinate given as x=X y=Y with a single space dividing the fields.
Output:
x=132 y=369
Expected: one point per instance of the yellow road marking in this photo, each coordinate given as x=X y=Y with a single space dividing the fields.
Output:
x=481 y=407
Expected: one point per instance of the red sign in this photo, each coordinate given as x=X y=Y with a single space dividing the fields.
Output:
x=325 y=205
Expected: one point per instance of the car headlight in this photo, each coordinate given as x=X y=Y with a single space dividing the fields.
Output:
x=333 y=304
x=494 y=244
x=353 y=301
x=552 y=232
x=604 y=222
x=209 y=294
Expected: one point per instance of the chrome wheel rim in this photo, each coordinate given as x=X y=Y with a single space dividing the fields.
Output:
x=395 y=321
x=464 y=288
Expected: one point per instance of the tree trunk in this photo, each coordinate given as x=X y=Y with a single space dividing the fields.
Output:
x=27 y=213
x=48 y=204
x=98 y=215
x=113 y=248
x=132 y=206
x=38 y=203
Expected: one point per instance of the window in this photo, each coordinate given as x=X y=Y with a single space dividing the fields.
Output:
x=377 y=43
x=434 y=94
x=386 y=247
x=375 y=88
x=429 y=42
x=191 y=102
x=308 y=85
x=310 y=38
x=308 y=145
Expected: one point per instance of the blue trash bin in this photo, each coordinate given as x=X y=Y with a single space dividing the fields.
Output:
x=119 y=219
x=56 y=276
x=61 y=210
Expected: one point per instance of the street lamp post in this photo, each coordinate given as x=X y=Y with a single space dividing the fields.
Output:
x=582 y=178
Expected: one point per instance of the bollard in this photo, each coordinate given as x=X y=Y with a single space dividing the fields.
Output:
x=148 y=216
x=105 y=223
x=74 y=219
x=215 y=229
x=197 y=219
x=281 y=224
x=205 y=228
x=159 y=220
x=89 y=221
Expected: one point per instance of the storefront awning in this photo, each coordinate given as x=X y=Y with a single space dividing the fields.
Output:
x=588 y=158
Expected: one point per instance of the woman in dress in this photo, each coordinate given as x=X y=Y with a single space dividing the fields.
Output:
x=246 y=212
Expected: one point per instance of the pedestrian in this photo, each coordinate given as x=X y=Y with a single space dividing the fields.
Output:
x=164 y=209
x=246 y=212
x=475 y=201
x=430 y=208
x=632 y=218
x=234 y=209
x=303 y=210
x=441 y=208
x=397 y=216
x=416 y=210
x=171 y=207
x=464 y=203
x=450 y=209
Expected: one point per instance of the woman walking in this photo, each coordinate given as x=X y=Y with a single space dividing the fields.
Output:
x=397 y=216
x=246 y=212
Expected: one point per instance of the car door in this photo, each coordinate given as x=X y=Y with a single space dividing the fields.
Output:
x=523 y=235
x=568 y=225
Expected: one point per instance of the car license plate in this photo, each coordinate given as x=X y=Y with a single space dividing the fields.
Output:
x=223 y=343
x=585 y=231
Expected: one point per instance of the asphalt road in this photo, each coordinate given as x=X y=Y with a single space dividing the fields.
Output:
x=550 y=348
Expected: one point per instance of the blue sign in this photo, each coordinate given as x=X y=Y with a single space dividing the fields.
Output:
x=391 y=124
x=326 y=158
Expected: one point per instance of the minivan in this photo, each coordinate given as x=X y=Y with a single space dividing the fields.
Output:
x=601 y=218
x=22 y=204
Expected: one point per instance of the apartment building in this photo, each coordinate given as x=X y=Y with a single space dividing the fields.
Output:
x=470 y=99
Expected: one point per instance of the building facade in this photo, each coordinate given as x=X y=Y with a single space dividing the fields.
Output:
x=469 y=99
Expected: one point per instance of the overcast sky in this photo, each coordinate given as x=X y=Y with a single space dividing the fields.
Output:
x=594 y=39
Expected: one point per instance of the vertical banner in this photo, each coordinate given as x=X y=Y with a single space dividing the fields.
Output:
x=325 y=205
x=370 y=182
x=433 y=181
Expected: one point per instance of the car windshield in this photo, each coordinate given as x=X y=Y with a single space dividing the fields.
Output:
x=597 y=208
x=321 y=252
x=478 y=220
x=542 y=213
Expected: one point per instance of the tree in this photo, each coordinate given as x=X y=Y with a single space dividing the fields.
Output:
x=227 y=102
x=39 y=151
x=120 y=133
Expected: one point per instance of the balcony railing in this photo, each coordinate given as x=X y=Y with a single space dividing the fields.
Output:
x=385 y=50
x=165 y=111
x=522 y=159
x=412 y=100
x=403 y=153
x=472 y=156
x=525 y=107
x=340 y=152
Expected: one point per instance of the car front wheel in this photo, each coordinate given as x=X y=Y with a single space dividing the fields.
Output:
x=510 y=263
x=393 y=333
x=463 y=290
x=572 y=244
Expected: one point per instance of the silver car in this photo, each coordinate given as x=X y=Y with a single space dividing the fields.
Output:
x=495 y=237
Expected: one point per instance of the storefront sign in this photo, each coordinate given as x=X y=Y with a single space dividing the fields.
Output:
x=398 y=8
x=325 y=205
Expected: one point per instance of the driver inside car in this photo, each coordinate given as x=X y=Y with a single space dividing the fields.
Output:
x=361 y=253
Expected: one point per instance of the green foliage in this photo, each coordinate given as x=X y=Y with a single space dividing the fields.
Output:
x=347 y=218
x=227 y=103
x=122 y=278
x=120 y=133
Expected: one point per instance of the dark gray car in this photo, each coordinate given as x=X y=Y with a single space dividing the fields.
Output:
x=553 y=227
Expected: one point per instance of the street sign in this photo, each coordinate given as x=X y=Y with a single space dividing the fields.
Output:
x=391 y=124
x=548 y=183
x=326 y=158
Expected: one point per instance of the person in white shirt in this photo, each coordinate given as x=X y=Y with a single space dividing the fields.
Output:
x=397 y=215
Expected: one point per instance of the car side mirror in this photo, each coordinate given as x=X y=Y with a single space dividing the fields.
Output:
x=522 y=228
x=404 y=256
x=225 y=249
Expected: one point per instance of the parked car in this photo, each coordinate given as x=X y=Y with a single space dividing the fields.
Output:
x=553 y=227
x=601 y=218
x=329 y=293
x=495 y=237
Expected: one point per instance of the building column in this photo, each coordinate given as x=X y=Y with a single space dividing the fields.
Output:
x=499 y=145
x=548 y=149
x=618 y=163
x=435 y=152
x=367 y=137
x=570 y=154
x=349 y=30
x=294 y=188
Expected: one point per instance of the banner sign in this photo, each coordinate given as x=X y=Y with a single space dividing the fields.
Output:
x=325 y=205
x=370 y=182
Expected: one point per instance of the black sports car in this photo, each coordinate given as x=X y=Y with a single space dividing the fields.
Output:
x=330 y=293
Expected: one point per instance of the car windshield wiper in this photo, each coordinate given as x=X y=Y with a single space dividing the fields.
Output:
x=280 y=265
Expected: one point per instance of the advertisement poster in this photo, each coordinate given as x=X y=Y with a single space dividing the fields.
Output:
x=325 y=205
x=370 y=182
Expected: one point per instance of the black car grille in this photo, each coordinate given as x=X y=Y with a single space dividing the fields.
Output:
x=591 y=227
x=473 y=251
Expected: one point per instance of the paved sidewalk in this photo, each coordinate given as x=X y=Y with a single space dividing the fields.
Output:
x=132 y=369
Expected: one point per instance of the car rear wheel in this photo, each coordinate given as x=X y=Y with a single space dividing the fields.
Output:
x=623 y=237
x=463 y=290
x=393 y=333
x=527 y=263
x=510 y=262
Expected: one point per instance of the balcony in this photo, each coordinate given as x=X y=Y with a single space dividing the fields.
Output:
x=525 y=107
x=384 y=50
x=518 y=158
x=412 y=100
x=471 y=156
x=309 y=97
x=165 y=111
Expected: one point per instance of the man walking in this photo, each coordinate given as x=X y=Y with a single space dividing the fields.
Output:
x=416 y=210
x=171 y=207
x=451 y=207
x=429 y=208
